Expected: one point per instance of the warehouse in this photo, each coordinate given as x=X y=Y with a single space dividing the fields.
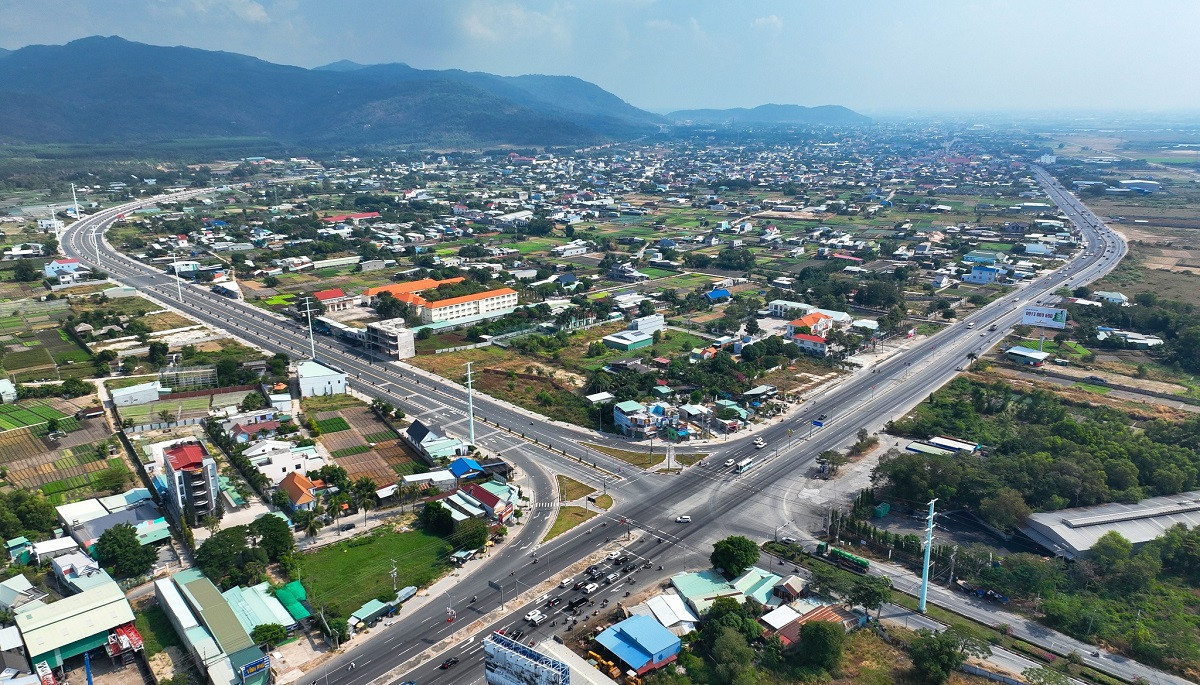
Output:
x=71 y=626
x=1072 y=532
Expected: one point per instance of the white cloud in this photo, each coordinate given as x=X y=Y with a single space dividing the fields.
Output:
x=509 y=22
x=771 y=22
x=242 y=10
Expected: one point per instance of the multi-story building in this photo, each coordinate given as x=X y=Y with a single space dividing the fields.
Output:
x=192 y=489
x=334 y=299
x=632 y=419
x=391 y=338
x=485 y=304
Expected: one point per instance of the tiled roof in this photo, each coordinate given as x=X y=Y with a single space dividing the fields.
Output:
x=472 y=298
x=187 y=455
x=298 y=487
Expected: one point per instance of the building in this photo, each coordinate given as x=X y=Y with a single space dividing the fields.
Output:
x=17 y=593
x=255 y=606
x=817 y=323
x=67 y=265
x=700 y=589
x=334 y=300
x=192 y=488
x=392 y=338
x=641 y=643
x=812 y=344
x=1111 y=297
x=984 y=257
x=626 y=272
x=648 y=324
x=275 y=459
x=142 y=393
x=85 y=521
x=1133 y=340
x=1072 y=532
x=488 y=304
x=628 y=340
x=509 y=662
x=670 y=611
x=1024 y=355
x=316 y=379
x=301 y=491
x=431 y=445
x=73 y=625
x=405 y=292
x=632 y=419
x=236 y=658
x=981 y=275
x=8 y=391
x=1142 y=185
x=781 y=309
x=77 y=572
x=572 y=249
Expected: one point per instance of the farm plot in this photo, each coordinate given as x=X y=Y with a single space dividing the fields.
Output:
x=365 y=447
x=187 y=408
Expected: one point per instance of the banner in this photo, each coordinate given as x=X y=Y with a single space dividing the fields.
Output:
x=1045 y=317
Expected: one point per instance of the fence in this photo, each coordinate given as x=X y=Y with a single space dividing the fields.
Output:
x=994 y=677
x=164 y=425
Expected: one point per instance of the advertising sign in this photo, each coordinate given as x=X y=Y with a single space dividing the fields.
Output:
x=256 y=666
x=1046 y=317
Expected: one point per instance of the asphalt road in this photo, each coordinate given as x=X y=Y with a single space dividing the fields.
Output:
x=720 y=501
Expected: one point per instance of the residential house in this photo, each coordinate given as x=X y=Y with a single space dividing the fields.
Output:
x=812 y=344
x=192 y=486
x=632 y=419
x=275 y=459
x=818 y=324
x=316 y=379
x=981 y=275
x=334 y=300
x=1112 y=297
x=641 y=643
x=301 y=491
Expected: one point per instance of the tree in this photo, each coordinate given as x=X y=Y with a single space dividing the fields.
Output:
x=252 y=402
x=119 y=549
x=52 y=425
x=471 y=534
x=364 y=494
x=1004 y=510
x=734 y=554
x=936 y=655
x=274 y=536
x=25 y=271
x=280 y=499
x=821 y=644
x=112 y=479
x=870 y=592
x=269 y=634
x=436 y=519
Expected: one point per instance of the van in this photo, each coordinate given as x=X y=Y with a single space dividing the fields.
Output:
x=971 y=325
x=611 y=578
x=578 y=601
x=591 y=587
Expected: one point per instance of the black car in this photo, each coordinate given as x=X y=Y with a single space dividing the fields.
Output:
x=448 y=663
x=347 y=526
x=621 y=559
x=516 y=634
x=591 y=569
x=579 y=586
x=554 y=601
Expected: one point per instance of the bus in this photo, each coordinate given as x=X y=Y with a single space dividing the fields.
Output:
x=744 y=465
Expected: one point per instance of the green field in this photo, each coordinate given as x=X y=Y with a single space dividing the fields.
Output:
x=333 y=425
x=350 y=451
x=156 y=630
x=279 y=300
x=346 y=575
x=173 y=406
x=14 y=416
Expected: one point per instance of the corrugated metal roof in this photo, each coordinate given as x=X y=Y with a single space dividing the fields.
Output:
x=1072 y=532
x=214 y=611
x=72 y=619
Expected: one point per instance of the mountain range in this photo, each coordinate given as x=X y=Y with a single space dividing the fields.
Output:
x=770 y=115
x=108 y=89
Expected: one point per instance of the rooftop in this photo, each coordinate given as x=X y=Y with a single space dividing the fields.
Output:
x=1072 y=532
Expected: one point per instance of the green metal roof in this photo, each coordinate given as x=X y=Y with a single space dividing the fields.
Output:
x=213 y=611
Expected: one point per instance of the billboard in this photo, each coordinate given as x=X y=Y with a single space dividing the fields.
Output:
x=1045 y=317
x=256 y=666
x=508 y=662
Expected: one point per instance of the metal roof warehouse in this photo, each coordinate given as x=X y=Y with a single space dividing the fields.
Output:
x=1072 y=532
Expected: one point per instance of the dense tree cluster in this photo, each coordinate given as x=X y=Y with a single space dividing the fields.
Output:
x=1039 y=450
x=240 y=555
x=1177 y=323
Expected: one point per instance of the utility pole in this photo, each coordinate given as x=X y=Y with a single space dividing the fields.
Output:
x=178 y=281
x=393 y=574
x=470 y=404
x=953 y=554
x=312 y=343
x=928 y=549
x=670 y=454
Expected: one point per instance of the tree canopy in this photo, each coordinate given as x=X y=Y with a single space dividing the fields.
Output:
x=118 y=549
x=734 y=554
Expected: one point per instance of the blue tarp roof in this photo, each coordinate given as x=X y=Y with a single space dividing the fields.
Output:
x=717 y=294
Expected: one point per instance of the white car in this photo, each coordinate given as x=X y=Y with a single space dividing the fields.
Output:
x=590 y=588
x=683 y=519
x=759 y=444
x=730 y=462
x=567 y=582
x=533 y=615
x=613 y=555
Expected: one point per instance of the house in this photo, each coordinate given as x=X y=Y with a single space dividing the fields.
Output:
x=699 y=590
x=66 y=265
x=334 y=299
x=632 y=419
x=275 y=459
x=812 y=344
x=1136 y=341
x=498 y=501
x=1112 y=297
x=391 y=337
x=670 y=611
x=464 y=468
x=77 y=572
x=242 y=434
x=191 y=475
x=572 y=249
x=641 y=643
x=432 y=445
x=18 y=592
x=783 y=308
x=983 y=257
x=981 y=275
x=1024 y=355
x=626 y=272
x=817 y=323
x=316 y=379
x=301 y=491
x=718 y=295
x=941 y=281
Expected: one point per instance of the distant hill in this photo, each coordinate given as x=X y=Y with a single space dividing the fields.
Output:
x=4 y=52
x=107 y=89
x=771 y=114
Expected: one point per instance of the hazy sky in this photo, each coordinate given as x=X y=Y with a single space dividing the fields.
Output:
x=917 y=56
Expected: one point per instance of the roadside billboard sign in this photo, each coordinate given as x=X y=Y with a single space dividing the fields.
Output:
x=1046 y=317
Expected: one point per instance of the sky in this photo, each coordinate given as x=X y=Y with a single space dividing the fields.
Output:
x=917 y=57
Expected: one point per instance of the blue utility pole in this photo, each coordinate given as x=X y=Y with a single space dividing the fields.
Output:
x=928 y=549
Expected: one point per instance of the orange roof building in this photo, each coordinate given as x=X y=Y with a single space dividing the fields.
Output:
x=300 y=490
x=398 y=289
x=817 y=322
x=480 y=305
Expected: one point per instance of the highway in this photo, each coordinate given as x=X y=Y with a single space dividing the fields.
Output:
x=719 y=501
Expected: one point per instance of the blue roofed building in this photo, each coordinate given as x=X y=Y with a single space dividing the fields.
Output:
x=641 y=643
x=717 y=294
x=465 y=467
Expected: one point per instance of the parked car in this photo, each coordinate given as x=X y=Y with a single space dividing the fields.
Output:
x=347 y=526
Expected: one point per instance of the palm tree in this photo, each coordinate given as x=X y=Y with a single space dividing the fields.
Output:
x=313 y=527
x=364 y=494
